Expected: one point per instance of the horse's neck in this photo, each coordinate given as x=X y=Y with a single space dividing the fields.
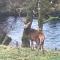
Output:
x=27 y=30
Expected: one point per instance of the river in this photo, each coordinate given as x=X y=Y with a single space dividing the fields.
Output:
x=51 y=30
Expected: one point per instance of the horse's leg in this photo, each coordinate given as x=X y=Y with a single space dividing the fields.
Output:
x=32 y=47
x=42 y=46
x=37 y=44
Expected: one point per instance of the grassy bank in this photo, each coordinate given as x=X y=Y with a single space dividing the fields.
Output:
x=8 y=53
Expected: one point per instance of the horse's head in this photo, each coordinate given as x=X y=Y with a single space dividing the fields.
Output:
x=27 y=25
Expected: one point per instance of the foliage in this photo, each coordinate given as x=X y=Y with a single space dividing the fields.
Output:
x=50 y=18
x=44 y=8
x=26 y=5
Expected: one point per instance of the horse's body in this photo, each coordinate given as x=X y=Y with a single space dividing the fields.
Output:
x=35 y=35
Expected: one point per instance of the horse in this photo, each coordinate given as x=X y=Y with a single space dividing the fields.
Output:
x=35 y=35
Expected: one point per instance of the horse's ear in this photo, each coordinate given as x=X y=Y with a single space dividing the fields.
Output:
x=27 y=24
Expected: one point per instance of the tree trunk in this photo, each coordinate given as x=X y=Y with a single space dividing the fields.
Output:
x=2 y=37
x=40 y=16
x=40 y=24
x=25 y=39
x=6 y=37
x=6 y=40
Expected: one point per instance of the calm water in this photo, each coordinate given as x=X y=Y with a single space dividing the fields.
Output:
x=51 y=30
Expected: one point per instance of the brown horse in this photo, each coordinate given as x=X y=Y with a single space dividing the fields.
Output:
x=35 y=35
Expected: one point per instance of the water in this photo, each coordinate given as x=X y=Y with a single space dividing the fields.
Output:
x=17 y=33
x=52 y=33
x=51 y=30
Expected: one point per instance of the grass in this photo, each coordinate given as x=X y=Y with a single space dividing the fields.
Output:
x=8 y=53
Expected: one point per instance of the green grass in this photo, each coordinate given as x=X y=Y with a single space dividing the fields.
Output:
x=8 y=53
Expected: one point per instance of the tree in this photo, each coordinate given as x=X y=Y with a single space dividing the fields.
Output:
x=29 y=17
x=43 y=8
